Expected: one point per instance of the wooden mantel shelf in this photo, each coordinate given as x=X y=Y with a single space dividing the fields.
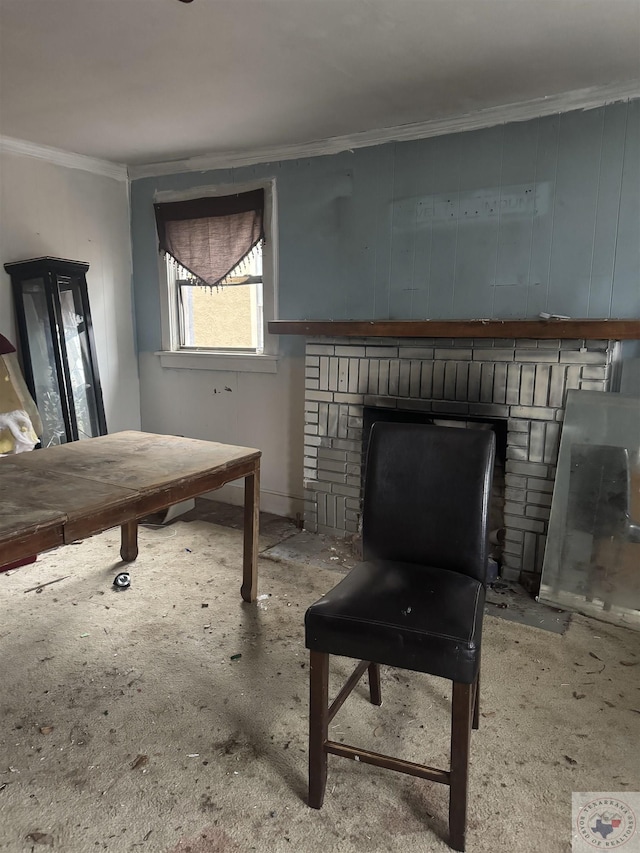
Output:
x=553 y=328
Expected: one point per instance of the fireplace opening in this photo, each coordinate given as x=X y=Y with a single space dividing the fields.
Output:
x=372 y=414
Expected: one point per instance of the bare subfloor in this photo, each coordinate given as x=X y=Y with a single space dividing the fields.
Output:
x=171 y=717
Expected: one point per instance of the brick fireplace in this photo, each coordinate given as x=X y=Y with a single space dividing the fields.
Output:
x=520 y=381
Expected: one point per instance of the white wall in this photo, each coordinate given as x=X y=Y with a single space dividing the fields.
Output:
x=260 y=410
x=51 y=209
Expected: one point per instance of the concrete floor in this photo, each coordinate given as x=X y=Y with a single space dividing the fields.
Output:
x=172 y=717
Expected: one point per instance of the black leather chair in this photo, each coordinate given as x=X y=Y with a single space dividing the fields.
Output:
x=417 y=600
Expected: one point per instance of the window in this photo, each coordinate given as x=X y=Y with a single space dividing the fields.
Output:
x=217 y=276
x=228 y=316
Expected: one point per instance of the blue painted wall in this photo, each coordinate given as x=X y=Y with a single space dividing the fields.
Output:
x=506 y=222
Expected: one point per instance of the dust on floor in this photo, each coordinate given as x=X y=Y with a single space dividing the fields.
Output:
x=173 y=717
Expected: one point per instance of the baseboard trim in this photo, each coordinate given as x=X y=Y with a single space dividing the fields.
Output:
x=286 y=506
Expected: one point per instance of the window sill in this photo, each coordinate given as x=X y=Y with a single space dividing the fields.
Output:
x=224 y=361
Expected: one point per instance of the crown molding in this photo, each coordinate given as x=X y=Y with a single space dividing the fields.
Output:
x=64 y=158
x=580 y=99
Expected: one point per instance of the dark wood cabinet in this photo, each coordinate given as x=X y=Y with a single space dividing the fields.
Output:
x=57 y=347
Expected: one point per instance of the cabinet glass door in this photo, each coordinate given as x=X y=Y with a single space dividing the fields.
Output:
x=45 y=363
x=79 y=366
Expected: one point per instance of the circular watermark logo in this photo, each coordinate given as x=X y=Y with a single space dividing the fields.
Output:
x=606 y=823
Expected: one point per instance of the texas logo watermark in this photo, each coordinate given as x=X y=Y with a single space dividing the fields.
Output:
x=605 y=821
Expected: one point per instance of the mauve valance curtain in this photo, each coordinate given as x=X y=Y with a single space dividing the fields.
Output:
x=210 y=236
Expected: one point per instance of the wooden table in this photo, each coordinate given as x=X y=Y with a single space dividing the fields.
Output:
x=54 y=496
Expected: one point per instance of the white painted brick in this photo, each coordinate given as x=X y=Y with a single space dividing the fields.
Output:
x=455 y=354
x=317 y=486
x=347 y=491
x=518 y=439
x=522 y=523
x=538 y=512
x=498 y=343
x=381 y=352
x=344 y=444
x=493 y=354
x=320 y=349
x=353 y=387
x=332 y=465
x=539 y=498
x=593 y=371
x=583 y=357
x=519 y=453
x=514 y=507
x=592 y=385
x=350 y=351
x=536 y=441
x=531 y=469
x=517 y=425
x=332 y=453
x=340 y=397
x=423 y=353
x=320 y=396
x=537 y=355
x=515 y=480
x=539 y=485
x=537 y=413
x=333 y=477
x=514 y=536
x=529 y=552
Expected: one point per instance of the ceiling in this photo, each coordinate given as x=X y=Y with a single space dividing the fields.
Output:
x=144 y=81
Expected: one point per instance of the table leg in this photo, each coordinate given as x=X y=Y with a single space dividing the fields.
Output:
x=129 y=541
x=249 y=588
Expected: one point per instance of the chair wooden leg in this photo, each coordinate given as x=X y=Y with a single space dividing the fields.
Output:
x=461 y=718
x=318 y=727
x=375 y=690
x=476 y=704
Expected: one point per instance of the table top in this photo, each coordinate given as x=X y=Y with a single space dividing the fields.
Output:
x=89 y=485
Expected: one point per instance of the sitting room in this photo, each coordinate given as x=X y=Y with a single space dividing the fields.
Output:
x=319 y=425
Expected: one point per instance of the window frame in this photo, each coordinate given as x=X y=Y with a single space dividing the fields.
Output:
x=174 y=355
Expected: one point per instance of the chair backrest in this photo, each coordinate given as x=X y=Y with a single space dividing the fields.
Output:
x=426 y=496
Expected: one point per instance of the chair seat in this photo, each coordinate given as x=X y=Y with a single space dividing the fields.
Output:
x=411 y=616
